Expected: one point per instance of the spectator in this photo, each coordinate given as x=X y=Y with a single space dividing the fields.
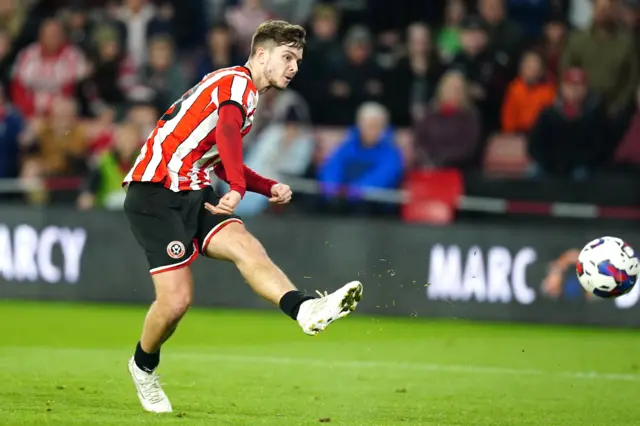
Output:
x=411 y=84
x=368 y=157
x=627 y=153
x=188 y=22
x=569 y=138
x=629 y=16
x=274 y=107
x=449 y=43
x=506 y=38
x=101 y=132
x=113 y=76
x=323 y=46
x=55 y=146
x=145 y=116
x=138 y=21
x=11 y=126
x=530 y=15
x=163 y=75
x=284 y=149
x=357 y=79
x=58 y=141
x=5 y=59
x=527 y=96
x=13 y=15
x=221 y=53
x=552 y=46
x=243 y=20
x=103 y=186
x=46 y=70
x=79 y=27
x=449 y=134
x=481 y=71
x=323 y=53
x=607 y=53
x=581 y=13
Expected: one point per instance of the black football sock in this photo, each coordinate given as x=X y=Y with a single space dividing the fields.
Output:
x=291 y=301
x=146 y=361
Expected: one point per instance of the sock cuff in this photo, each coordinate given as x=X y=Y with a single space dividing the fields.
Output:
x=291 y=301
x=147 y=362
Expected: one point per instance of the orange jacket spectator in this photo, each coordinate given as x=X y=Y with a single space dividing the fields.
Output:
x=527 y=95
x=523 y=103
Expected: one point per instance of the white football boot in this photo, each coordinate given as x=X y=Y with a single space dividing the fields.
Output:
x=316 y=314
x=150 y=393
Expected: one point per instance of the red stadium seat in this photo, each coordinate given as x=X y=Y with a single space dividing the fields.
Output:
x=432 y=196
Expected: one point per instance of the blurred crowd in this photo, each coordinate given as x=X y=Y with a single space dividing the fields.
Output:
x=385 y=87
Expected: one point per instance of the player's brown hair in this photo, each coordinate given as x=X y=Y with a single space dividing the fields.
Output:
x=279 y=33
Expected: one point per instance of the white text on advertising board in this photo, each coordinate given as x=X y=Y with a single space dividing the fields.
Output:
x=27 y=254
x=497 y=276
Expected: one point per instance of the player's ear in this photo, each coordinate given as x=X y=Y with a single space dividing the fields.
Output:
x=261 y=55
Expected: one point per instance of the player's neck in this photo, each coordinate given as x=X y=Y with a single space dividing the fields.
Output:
x=258 y=77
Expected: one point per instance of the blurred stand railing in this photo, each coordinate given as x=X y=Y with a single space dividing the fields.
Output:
x=406 y=197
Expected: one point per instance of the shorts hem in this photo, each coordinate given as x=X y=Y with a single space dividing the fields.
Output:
x=217 y=229
x=175 y=266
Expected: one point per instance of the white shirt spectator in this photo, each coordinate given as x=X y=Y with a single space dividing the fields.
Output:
x=136 y=24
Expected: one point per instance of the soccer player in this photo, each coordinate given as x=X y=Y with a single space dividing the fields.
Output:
x=175 y=214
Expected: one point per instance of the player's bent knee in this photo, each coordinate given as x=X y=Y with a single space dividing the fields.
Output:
x=174 y=293
x=174 y=306
x=234 y=243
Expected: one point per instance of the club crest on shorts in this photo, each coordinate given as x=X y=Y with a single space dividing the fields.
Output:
x=175 y=249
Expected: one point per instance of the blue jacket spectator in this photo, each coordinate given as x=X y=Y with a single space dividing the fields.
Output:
x=368 y=157
x=11 y=126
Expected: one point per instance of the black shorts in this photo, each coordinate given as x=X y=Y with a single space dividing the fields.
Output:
x=172 y=227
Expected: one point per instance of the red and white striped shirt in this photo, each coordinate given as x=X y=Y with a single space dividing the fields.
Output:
x=40 y=77
x=182 y=151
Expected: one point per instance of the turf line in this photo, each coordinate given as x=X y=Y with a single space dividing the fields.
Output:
x=398 y=365
x=5 y=352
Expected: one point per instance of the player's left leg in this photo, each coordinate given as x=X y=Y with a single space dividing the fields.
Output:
x=230 y=241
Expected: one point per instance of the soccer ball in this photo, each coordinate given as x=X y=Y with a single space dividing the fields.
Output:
x=608 y=267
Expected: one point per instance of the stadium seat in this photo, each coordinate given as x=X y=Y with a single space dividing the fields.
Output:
x=432 y=196
x=506 y=155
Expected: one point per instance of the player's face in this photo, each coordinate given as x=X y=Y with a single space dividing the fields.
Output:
x=282 y=65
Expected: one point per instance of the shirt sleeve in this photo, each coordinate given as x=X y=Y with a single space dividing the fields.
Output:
x=229 y=143
x=257 y=183
x=233 y=90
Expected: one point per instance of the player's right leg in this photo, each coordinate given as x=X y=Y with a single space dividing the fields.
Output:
x=153 y=215
x=230 y=241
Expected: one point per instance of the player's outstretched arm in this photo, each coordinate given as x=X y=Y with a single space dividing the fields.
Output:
x=230 y=168
x=229 y=143
x=278 y=193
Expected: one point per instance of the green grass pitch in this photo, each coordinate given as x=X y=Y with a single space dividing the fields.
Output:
x=65 y=364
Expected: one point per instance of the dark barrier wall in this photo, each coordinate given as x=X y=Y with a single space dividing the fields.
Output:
x=477 y=272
